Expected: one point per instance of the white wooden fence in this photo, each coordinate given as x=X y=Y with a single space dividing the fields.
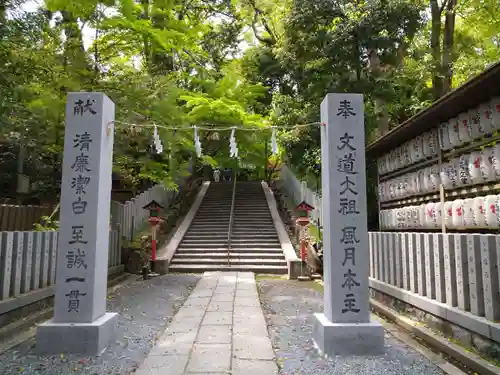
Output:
x=452 y=276
x=28 y=259
x=131 y=217
x=299 y=191
x=28 y=266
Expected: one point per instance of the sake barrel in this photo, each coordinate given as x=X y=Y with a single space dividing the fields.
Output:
x=487 y=171
x=463 y=170
x=448 y=214
x=464 y=128
x=454 y=132
x=475 y=167
x=486 y=118
x=478 y=213
x=495 y=161
x=429 y=215
x=444 y=136
x=438 y=214
x=495 y=110
x=476 y=129
x=491 y=208
x=458 y=213
x=468 y=213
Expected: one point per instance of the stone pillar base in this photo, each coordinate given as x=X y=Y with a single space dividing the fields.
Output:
x=160 y=266
x=347 y=338
x=88 y=339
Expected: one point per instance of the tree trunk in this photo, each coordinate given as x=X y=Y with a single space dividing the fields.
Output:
x=437 y=81
x=146 y=41
x=449 y=30
x=380 y=104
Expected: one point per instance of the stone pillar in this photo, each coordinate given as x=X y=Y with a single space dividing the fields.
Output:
x=345 y=327
x=80 y=323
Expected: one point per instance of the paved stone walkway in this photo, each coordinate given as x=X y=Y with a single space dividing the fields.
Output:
x=220 y=329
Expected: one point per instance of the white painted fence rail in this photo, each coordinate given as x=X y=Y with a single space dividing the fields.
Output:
x=28 y=266
x=130 y=217
x=299 y=191
x=452 y=276
x=28 y=259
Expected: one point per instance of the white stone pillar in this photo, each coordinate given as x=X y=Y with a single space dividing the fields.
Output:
x=80 y=323
x=345 y=327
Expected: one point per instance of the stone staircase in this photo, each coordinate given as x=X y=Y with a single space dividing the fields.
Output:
x=254 y=242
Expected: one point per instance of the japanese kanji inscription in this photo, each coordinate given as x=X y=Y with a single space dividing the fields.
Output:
x=345 y=324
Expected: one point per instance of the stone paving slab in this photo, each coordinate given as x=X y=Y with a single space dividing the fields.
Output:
x=220 y=330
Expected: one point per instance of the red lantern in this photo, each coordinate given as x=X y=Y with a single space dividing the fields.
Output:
x=303 y=209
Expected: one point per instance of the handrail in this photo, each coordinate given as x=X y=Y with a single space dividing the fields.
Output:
x=231 y=219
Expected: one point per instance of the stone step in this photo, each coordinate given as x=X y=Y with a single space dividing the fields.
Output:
x=216 y=245
x=249 y=227
x=223 y=254
x=274 y=262
x=211 y=225
x=251 y=210
x=202 y=250
x=252 y=215
x=214 y=219
x=195 y=235
x=210 y=229
x=199 y=268
x=223 y=202
x=254 y=238
x=252 y=221
x=202 y=240
x=212 y=214
x=206 y=232
x=265 y=229
x=250 y=204
x=258 y=234
x=255 y=244
x=237 y=233
x=265 y=220
x=214 y=208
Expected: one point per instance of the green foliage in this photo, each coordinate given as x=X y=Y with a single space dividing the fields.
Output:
x=177 y=63
x=47 y=224
x=161 y=62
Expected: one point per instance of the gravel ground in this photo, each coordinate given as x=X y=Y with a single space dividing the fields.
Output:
x=145 y=308
x=288 y=308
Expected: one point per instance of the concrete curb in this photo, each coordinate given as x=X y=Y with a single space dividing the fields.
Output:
x=293 y=261
x=470 y=360
x=408 y=339
x=166 y=253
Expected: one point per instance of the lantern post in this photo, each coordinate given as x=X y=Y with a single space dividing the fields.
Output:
x=154 y=220
x=303 y=220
